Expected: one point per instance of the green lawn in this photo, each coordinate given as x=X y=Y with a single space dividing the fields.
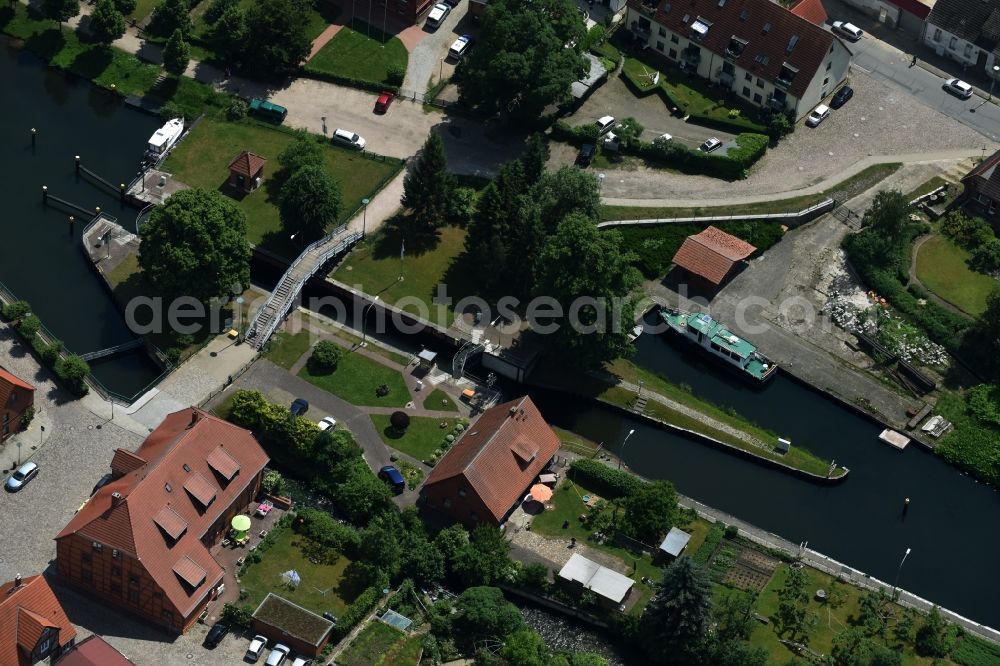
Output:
x=356 y=379
x=323 y=586
x=943 y=268
x=575 y=443
x=144 y=8
x=440 y=401
x=202 y=160
x=371 y=645
x=351 y=53
x=405 y=653
x=375 y=267
x=285 y=349
x=420 y=440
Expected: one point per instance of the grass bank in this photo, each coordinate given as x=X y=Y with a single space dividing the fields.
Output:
x=943 y=268
x=420 y=440
x=356 y=380
x=353 y=54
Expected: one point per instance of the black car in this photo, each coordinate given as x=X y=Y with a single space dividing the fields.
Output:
x=216 y=634
x=840 y=97
x=586 y=155
x=299 y=407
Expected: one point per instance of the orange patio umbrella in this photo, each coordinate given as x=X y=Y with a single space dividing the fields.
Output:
x=541 y=492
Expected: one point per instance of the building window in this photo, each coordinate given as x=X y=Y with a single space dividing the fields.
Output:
x=968 y=50
x=952 y=43
x=659 y=46
x=446 y=503
x=96 y=546
x=748 y=77
x=86 y=575
x=673 y=54
x=474 y=515
x=85 y=558
x=829 y=65
x=116 y=571
x=116 y=589
x=674 y=40
x=157 y=594
x=746 y=91
x=937 y=35
x=167 y=615
x=133 y=580
x=826 y=81
x=133 y=596
x=757 y=98
x=728 y=68
x=461 y=492
x=662 y=31
x=760 y=82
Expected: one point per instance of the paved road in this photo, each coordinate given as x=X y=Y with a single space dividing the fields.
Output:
x=426 y=57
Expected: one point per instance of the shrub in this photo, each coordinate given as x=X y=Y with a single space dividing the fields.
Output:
x=16 y=310
x=604 y=480
x=237 y=109
x=984 y=403
x=562 y=131
x=399 y=421
x=50 y=353
x=732 y=531
x=319 y=526
x=29 y=326
x=27 y=416
x=325 y=357
x=171 y=110
x=361 y=84
x=395 y=74
x=712 y=539
x=73 y=370
x=237 y=616
x=357 y=611
x=273 y=483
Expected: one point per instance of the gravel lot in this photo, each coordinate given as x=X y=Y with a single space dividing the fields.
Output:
x=878 y=121
x=425 y=57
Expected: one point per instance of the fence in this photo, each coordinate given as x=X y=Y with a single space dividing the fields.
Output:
x=230 y=380
x=794 y=218
x=846 y=215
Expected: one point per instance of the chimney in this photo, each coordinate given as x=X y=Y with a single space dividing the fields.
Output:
x=116 y=499
x=513 y=412
x=194 y=418
x=17 y=581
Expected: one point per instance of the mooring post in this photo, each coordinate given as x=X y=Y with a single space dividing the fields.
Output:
x=97 y=211
x=77 y=158
x=72 y=221
x=45 y=194
x=121 y=191
x=34 y=133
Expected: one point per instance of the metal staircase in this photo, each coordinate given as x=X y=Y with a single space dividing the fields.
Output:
x=283 y=297
x=469 y=349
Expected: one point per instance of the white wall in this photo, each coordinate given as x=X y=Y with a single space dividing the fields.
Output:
x=942 y=46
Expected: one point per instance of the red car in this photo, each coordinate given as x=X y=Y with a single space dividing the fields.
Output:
x=383 y=102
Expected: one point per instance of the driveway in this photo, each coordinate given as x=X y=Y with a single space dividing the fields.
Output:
x=615 y=99
x=427 y=57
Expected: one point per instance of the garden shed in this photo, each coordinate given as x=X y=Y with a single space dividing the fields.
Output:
x=278 y=619
x=246 y=171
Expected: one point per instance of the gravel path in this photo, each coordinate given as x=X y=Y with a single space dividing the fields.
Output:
x=425 y=57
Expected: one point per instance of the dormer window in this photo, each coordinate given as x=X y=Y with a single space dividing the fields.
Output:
x=767 y=27
x=687 y=17
x=700 y=28
x=793 y=40
x=786 y=76
x=744 y=15
x=762 y=59
x=666 y=8
x=736 y=46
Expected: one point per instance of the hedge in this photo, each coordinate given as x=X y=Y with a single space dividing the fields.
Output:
x=738 y=124
x=642 y=90
x=362 y=84
x=357 y=611
x=712 y=539
x=600 y=478
x=71 y=370
x=607 y=50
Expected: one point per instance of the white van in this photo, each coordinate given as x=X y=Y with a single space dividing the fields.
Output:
x=818 y=115
x=849 y=30
x=439 y=13
x=459 y=47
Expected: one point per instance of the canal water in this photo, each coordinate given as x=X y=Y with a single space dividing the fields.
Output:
x=42 y=261
x=951 y=525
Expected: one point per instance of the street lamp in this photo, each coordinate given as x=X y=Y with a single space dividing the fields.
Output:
x=993 y=80
x=621 y=451
x=364 y=319
x=364 y=216
x=600 y=182
x=899 y=569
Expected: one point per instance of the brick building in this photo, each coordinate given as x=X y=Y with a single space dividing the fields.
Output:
x=490 y=468
x=711 y=255
x=16 y=396
x=93 y=651
x=282 y=621
x=33 y=626
x=142 y=542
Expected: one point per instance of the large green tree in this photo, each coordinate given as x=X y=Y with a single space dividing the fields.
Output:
x=590 y=274
x=887 y=218
x=675 y=623
x=60 y=10
x=536 y=156
x=277 y=35
x=126 y=7
x=526 y=59
x=485 y=559
x=176 y=54
x=309 y=201
x=793 y=618
x=229 y=36
x=195 y=245
x=525 y=647
x=483 y=612
x=302 y=151
x=106 y=22
x=170 y=15
x=428 y=188
x=650 y=512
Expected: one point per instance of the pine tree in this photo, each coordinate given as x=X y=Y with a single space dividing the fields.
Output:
x=428 y=187
x=177 y=54
x=676 y=621
x=536 y=155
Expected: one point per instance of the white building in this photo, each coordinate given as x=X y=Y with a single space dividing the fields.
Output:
x=611 y=587
x=967 y=31
x=755 y=48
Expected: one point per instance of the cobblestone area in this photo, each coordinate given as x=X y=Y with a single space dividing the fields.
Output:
x=877 y=121
x=558 y=551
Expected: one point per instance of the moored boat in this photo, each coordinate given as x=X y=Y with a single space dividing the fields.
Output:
x=716 y=340
x=164 y=139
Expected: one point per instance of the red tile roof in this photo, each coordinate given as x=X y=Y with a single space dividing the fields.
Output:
x=200 y=488
x=810 y=10
x=93 y=651
x=223 y=463
x=25 y=611
x=124 y=462
x=134 y=523
x=915 y=7
x=986 y=177
x=500 y=454
x=247 y=164
x=767 y=27
x=712 y=253
x=10 y=383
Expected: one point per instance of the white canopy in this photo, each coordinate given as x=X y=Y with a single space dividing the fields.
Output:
x=598 y=579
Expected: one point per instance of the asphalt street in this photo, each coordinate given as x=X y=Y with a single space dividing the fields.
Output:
x=887 y=64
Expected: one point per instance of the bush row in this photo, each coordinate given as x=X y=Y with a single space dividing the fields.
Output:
x=362 y=84
x=642 y=89
x=712 y=539
x=611 y=483
x=71 y=370
x=356 y=612
x=737 y=124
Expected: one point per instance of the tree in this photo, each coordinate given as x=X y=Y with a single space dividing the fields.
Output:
x=421 y=560
x=485 y=559
x=536 y=156
x=177 y=54
x=380 y=544
x=930 y=641
x=217 y=8
x=629 y=131
x=485 y=613
x=887 y=217
x=565 y=192
x=791 y=617
x=525 y=647
x=169 y=16
x=363 y=496
x=277 y=32
x=596 y=301
x=309 y=201
x=73 y=370
x=126 y=7
x=522 y=63
x=851 y=648
x=195 y=245
x=399 y=421
x=237 y=616
x=676 y=620
x=450 y=542
x=969 y=232
x=229 y=35
x=325 y=357
x=16 y=310
x=273 y=483
x=428 y=187
x=650 y=512
x=304 y=150
x=60 y=10
x=106 y=23
x=986 y=257
x=738 y=653
x=734 y=615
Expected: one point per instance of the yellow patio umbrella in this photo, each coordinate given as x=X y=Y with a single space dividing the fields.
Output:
x=241 y=524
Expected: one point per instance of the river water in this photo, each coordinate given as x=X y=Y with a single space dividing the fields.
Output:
x=42 y=261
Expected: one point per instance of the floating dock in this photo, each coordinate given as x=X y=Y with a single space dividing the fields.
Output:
x=894 y=438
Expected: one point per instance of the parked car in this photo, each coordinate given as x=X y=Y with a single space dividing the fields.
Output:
x=384 y=100
x=216 y=634
x=327 y=422
x=818 y=115
x=21 y=476
x=391 y=475
x=299 y=407
x=664 y=137
x=459 y=47
x=586 y=154
x=453 y=3
x=278 y=654
x=302 y=661
x=349 y=139
x=958 y=88
x=438 y=14
x=330 y=616
x=103 y=481
x=267 y=110
x=604 y=124
x=840 y=97
x=849 y=30
x=256 y=648
x=710 y=144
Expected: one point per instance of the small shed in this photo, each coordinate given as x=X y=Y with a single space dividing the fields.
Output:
x=674 y=543
x=612 y=588
x=426 y=357
x=278 y=619
x=712 y=254
x=246 y=171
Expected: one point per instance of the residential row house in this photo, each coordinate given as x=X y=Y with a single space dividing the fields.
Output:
x=756 y=49
x=33 y=626
x=143 y=541
x=967 y=31
x=16 y=398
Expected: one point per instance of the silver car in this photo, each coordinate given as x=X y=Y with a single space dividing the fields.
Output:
x=278 y=654
x=21 y=476
x=349 y=139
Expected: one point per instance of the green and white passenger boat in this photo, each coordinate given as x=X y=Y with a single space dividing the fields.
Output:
x=719 y=342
